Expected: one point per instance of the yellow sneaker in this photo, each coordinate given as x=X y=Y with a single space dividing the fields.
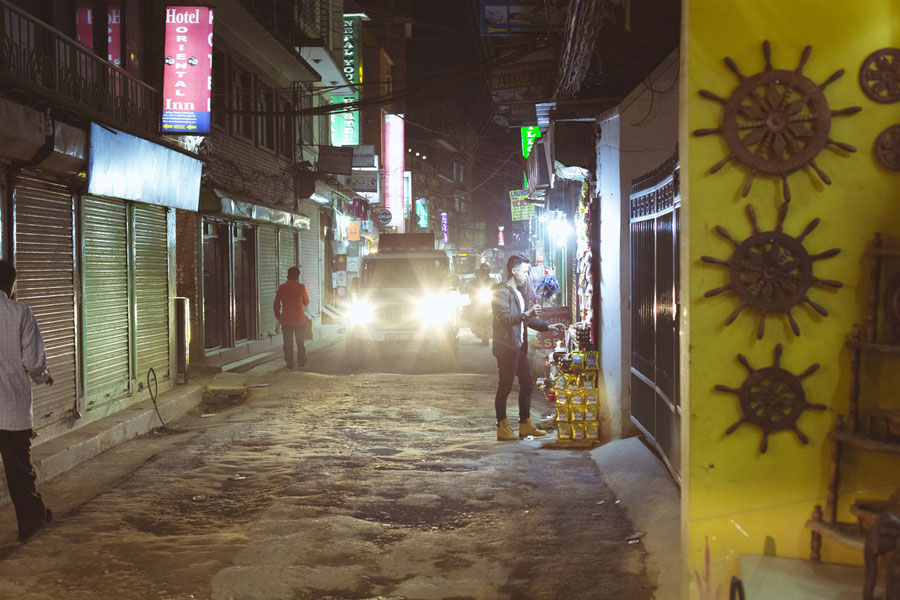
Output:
x=527 y=428
x=505 y=433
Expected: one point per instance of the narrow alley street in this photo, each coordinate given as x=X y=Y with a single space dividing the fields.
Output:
x=324 y=484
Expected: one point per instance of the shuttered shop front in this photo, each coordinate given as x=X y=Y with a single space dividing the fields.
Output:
x=105 y=300
x=151 y=291
x=44 y=257
x=268 y=279
x=310 y=273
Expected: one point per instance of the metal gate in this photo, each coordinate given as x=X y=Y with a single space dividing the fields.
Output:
x=44 y=254
x=655 y=394
x=310 y=273
x=105 y=295
x=151 y=291
x=268 y=279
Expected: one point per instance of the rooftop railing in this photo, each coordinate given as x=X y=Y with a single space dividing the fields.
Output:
x=44 y=62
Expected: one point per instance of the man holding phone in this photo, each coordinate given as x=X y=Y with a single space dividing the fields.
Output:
x=513 y=313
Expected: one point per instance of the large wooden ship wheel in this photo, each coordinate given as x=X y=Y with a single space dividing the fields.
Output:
x=776 y=122
x=772 y=399
x=771 y=271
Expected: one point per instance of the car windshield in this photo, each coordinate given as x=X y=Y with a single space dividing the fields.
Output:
x=464 y=264
x=406 y=272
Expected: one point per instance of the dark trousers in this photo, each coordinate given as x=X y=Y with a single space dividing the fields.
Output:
x=291 y=333
x=511 y=364
x=15 y=449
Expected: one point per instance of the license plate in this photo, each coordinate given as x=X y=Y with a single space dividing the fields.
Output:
x=398 y=336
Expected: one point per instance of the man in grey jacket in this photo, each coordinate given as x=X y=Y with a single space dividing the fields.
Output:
x=21 y=356
x=513 y=313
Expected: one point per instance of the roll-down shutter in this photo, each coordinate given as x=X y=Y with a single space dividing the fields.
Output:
x=310 y=273
x=151 y=291
x=287 y=253
x=44 y=257
x=105 y=300
x=268 y=280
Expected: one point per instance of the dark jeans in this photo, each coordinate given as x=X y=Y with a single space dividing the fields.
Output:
x=15 y=449
x=291 y=333
x=512 y=364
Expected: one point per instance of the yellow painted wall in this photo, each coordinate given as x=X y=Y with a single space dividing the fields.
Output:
x=743 y=502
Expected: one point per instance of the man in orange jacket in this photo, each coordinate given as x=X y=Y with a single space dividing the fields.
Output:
x=289 y=302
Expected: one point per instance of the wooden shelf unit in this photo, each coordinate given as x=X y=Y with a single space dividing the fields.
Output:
x=850 y=432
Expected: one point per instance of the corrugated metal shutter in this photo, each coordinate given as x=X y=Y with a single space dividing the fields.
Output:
x=310 y=259
x=267 y=275
x=44 y=257
x=104 y=300
x=287 y=253
x=151 y=291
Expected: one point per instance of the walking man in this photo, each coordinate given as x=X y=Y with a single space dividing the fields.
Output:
x=513 y=313
x=21 y=356
x=289 y=302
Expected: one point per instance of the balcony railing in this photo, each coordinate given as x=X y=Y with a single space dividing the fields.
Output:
x=42 y=61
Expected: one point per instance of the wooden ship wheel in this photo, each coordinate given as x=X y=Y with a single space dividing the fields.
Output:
x=879 y=76
x=776 y=122
x=771 y=271
x=887 y=148
x=772 y=399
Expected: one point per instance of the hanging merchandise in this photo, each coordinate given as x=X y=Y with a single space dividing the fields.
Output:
x=585 y=268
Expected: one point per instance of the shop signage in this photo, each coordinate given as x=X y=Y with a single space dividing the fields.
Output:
x=525 y=17
x=384 y=217
x=530 y=135
x=84 y=29
x=422 y=213
x=363 y=156
x=445 y=226
x=187 y=72
x=335 y=160
x=345 y=125
x=353 y=232
x=517 y=87
x=394 y=167
x=521 y=209
x=557 y=314
x=500 y=240
x=364 y=181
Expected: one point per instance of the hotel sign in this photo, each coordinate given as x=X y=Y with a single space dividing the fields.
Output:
x=187 y=73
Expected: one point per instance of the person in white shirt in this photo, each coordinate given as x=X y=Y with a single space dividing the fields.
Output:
x=513 y=313
x=21 y=356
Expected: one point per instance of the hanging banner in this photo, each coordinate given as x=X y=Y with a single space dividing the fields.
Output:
x=521 y=209
x=187 y=72
x=353 y=232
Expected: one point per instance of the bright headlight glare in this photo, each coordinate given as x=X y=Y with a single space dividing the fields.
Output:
x=435 y=310
x=484 y=295
x=361 y=312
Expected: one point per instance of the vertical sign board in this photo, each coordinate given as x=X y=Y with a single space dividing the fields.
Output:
x=530 y=135
x=521 y=209
x=345 y=125
x=445 y=227
x=84 y=28
x=187 y=73
x=422 y=212
x=393 y=168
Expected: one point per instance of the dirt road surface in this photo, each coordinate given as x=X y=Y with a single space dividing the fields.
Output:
x=381 y=484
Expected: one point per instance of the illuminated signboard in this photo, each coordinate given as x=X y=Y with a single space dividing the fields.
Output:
x=445 y=226
x=422 y=213
x=500 y=236
x=345 y=125
x=407 y=193
x=530 y=135
x=521 y=209
x=84 y=28
x=187 y=73
x=393 y=168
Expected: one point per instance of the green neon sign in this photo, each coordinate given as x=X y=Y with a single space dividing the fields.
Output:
x=530 y=135
x=345 y=125
x=422 y=212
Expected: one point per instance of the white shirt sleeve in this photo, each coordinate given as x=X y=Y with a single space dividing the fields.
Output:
x=34 y=358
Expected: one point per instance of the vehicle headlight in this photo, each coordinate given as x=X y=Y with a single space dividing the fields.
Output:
x=436 y=310
x=485 y=296
x=360 y=312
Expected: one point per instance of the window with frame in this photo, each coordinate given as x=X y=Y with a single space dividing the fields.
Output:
x=265 y=120
x=240 y=93
x=218 y=101
x=287 y=129
x=307 y=122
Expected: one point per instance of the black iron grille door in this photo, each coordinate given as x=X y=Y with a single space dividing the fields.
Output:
x=655 y=221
